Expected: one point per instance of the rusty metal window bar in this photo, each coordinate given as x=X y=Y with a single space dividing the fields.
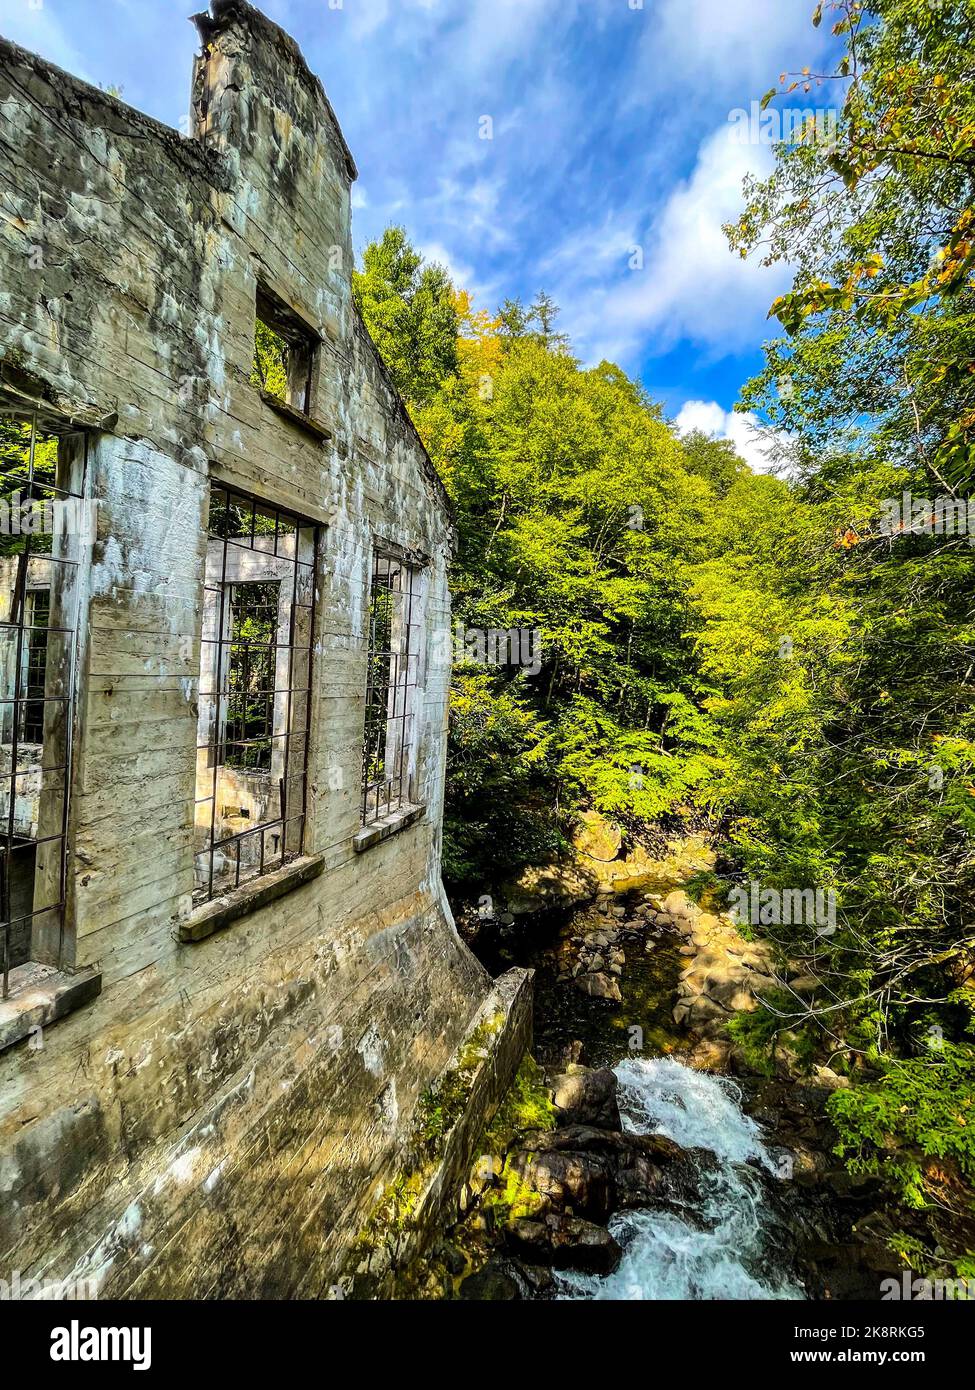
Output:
x=255 y=691
x=39 y=617
x=45 y=528
x=395 y=632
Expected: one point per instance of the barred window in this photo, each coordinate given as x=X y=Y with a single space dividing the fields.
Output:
x=45 y=530
x=395 y=632
x=255 y=691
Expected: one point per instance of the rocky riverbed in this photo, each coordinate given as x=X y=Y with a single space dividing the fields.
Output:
x=733 y=1171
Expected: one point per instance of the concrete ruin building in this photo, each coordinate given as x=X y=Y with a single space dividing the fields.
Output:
x=229 y=967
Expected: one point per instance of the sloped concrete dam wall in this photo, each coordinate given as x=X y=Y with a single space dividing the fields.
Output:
x=314 y=1073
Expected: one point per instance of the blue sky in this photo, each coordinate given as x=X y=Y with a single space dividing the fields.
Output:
x=611 y=132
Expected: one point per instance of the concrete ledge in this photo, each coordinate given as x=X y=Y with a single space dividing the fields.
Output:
x=498 y=1038
x=39 y=995
x=374 y=834
x=305 y=422
x=214 y=916
x=466 y=1097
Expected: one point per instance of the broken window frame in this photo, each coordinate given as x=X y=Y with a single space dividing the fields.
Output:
x=393 y=679
x=301 y=569
x=300 y=346
x=43 y=928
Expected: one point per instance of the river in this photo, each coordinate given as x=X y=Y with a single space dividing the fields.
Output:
x=722 y=1249
x=735 y=1241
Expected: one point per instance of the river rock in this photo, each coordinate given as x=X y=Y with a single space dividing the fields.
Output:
x=581 y=1167
x=546 y=887
x=585 y=1097
x=711 y=1055
x=571 y=1054
x=828 y=1079
x=702 y=1009
x=597 y=838
x=495 y=1283
x=726 y=974
x=719 y=982
x=599 y=987
x=599 y=938
x=568 y=1182
x=682 y=908
x=565 y=1242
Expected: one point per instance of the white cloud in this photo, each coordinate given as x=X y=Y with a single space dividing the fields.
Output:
x=692 y=285
x=469 y=209
x=436 y=253
x=598 y=248
x=504 y=28
x=731 y=45
x=756 y=443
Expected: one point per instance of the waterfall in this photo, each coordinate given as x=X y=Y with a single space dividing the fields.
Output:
x=717 y=1249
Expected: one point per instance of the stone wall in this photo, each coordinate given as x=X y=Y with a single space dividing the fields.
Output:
x=219 y=1119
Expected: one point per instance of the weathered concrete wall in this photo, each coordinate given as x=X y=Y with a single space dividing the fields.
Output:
x=424 y=1197
x=219 y=1119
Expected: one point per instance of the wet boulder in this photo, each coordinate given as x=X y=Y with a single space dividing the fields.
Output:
x=495 y=1283
x=564 y=1242
x=586 y=1097
x=567 y=1182
x=682 y=909
x=591 y=1172
x=599 y=986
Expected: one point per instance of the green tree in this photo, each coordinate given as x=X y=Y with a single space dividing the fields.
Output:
x=576 y=513
x=775 y=654
x=715 y=460
x=410 y=313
